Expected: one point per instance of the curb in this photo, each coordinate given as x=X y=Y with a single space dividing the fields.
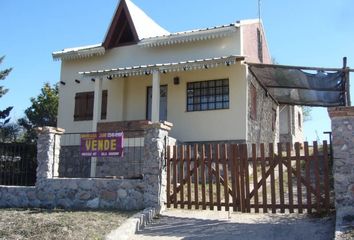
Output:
x=132 y=225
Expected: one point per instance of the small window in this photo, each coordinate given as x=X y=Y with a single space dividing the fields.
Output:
x=253 y=95
x=208 y=95
x=84 y=106
x=299 y=119
x=260 y=45
x=274 y=119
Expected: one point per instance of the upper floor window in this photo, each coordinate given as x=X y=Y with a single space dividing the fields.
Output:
x=84 y=106
x=260 y=45
x=208 y=95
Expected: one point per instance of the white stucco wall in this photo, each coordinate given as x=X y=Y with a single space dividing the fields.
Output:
x=127 y=96
x=226 y=124
x=290 y=129
x=284 y=120
x=299 y=128
x=127 y=100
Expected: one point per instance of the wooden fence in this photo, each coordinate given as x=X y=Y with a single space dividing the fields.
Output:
x=249 y=178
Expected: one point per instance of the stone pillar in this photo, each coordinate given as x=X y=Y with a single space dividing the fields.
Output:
x=48 y=150
x=154 y=166
x=343 y=166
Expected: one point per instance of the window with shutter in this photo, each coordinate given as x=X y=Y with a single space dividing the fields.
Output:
x=104 y=104
x=84 y=106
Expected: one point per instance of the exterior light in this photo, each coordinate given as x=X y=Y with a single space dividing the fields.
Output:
x=176 y=80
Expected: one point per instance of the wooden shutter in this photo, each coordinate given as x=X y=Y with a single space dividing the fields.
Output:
x=84 y=106
x=89 y=105
x=104 y=104
x=80 y=102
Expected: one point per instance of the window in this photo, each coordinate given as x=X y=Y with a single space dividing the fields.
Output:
x=299 y=119
x=260 y=45
x=253 y=95
x=84 y=106
x=163 y=103
x=208 y=95
x=274 y=118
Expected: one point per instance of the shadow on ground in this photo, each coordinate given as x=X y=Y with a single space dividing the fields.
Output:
x=239 y=226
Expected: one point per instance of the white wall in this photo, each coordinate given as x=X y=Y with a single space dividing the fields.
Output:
x=284 y=120
x=127 y=100
x=127 y=96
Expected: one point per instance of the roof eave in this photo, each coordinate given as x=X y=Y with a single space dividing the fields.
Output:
x=165 y=67
x=190 y=36
x=78 y=53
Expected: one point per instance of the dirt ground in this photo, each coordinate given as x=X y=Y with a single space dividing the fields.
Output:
x=176 y=224
x=58 y=224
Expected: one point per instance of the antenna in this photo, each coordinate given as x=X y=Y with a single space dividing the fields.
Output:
x=259 y=10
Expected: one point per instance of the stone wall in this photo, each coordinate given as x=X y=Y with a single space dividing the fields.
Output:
x=260 y=129
x=76 y=194
x=343 y=168
x=123 y=194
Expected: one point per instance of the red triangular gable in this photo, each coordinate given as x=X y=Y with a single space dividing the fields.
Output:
x=122 y=30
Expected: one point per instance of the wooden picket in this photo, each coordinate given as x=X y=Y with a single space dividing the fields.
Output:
x=253 y=178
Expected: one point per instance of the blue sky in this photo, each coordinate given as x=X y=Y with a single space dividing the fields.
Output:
x=306 y=33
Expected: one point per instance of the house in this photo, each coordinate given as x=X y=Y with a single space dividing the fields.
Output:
x=198 y=80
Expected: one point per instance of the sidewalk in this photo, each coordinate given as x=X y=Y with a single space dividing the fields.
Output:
x=204 y=225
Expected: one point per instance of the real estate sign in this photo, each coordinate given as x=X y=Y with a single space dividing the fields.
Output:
x=97 y=144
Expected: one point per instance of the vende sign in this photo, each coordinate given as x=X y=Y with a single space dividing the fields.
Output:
x=98 y=144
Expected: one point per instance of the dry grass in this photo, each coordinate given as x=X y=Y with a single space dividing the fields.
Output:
x=58 y=224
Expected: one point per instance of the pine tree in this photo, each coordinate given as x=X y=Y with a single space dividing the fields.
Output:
x=4 y=114
x=42 y=112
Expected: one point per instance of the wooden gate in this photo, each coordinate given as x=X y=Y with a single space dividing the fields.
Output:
x=251 y=178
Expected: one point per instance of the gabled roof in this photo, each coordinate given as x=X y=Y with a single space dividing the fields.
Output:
x=129 y=25
x=140 y=28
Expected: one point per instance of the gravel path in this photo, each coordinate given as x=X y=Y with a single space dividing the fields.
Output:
x=204 y=225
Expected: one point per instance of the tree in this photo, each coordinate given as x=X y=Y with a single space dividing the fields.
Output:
x=10 y=133
x=4 y=114
x=42 y=112
x=306 y=112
